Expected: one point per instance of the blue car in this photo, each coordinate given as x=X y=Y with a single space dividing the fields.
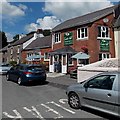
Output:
x=23 y=73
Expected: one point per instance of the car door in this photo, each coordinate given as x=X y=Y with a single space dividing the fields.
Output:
x=11 y=73
x=99 y=93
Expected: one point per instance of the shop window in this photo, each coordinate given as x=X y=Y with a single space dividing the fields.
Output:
x=57 y=38
x=82 y=33
x=103 y=32
x=103 y=56
x=81 y=63
x=46 y=56
x=70 y=60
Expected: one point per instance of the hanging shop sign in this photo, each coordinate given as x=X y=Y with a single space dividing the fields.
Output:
x=68 y=38
x=104 y=45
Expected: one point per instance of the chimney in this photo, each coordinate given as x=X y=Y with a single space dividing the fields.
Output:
x=39 y=33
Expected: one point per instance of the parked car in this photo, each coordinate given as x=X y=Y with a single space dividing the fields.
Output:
x=23 y=73
x=4 y=68
x=73 y=73
x=101 y=92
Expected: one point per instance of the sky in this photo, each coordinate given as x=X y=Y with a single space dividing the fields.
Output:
x=24 y=16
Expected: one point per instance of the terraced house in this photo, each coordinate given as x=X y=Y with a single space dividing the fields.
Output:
x=14 y=50
x=82 y=40
x=38 y=51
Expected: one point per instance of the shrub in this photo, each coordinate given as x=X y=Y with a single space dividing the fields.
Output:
x=13 y=63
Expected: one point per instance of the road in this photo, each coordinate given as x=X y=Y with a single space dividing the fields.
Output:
x=38 y=101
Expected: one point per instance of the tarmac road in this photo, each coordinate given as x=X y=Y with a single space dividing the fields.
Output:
x=40 y=101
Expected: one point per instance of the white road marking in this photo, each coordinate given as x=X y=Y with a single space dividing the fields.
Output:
x=34 y=112
x=70 y=111
x=18 y=115
x=50 y=109
x=63 y=101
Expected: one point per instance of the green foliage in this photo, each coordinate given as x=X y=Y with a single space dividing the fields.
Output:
x=16 y=37
x=3 y=40
x=46 y=32
x=13 y=63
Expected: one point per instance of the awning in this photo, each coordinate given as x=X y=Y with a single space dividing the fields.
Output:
x=34 y=57
x=64 y=50
x=81 y=55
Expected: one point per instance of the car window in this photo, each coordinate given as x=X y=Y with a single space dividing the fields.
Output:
x=102 y=82
x=34 y=68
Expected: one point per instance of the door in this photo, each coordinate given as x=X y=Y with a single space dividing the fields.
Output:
x=64 y=63
x=51 y=64
x=99 y=93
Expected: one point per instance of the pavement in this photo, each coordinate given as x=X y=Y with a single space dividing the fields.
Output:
x=60 y=79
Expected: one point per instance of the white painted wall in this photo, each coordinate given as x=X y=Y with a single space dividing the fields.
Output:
x=92 y=69
x=117 y=42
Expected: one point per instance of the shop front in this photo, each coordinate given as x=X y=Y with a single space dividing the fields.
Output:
x=60 y=59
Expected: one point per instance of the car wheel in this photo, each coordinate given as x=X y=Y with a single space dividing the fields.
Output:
x=74 y=101
x=19 y=81
x=7 y=77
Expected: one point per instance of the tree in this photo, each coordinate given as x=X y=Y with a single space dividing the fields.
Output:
x=46 y=32
x=3 y=40
x=16 y=37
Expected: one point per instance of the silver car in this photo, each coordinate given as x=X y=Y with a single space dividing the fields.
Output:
x=101 y=92
x=4 y=68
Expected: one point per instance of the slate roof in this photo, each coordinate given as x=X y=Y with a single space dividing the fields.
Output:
x=22 y=40
x=41 y=42
x=85 y=19
x=63 y=50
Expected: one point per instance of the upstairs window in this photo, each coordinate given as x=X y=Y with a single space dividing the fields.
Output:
x=103 y=32
x=82 y=33
x=11 y=51
x=57 y=38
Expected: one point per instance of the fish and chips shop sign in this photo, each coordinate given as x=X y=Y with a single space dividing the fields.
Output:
x=104 y=45
x=68 y=38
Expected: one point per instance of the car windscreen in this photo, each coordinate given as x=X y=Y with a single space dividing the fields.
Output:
x=39 y=68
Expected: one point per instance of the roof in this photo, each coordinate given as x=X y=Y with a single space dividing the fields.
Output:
x=85 y=19
x=117 y=23
x=110 y=64
x=41 y=42
x=64 y=50
x=22 y=40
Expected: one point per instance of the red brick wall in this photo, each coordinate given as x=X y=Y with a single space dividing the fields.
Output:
x=91 y=43
x=43 y=50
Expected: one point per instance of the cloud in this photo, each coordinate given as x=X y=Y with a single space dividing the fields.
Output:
x=22 y=7
x=66 y=10
x=11 y=10
x=9 y=37
x=48 y=22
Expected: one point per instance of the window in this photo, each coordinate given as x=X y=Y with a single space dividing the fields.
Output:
x=103 y=56
x=70 y=61
x=102 y=82
x=11 y=51
x=46 y=56
x=82 y=33
x=18 y=51
x=103 y=32
x=57 y=38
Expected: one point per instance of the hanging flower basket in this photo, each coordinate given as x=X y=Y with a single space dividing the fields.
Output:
x=85 y=49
